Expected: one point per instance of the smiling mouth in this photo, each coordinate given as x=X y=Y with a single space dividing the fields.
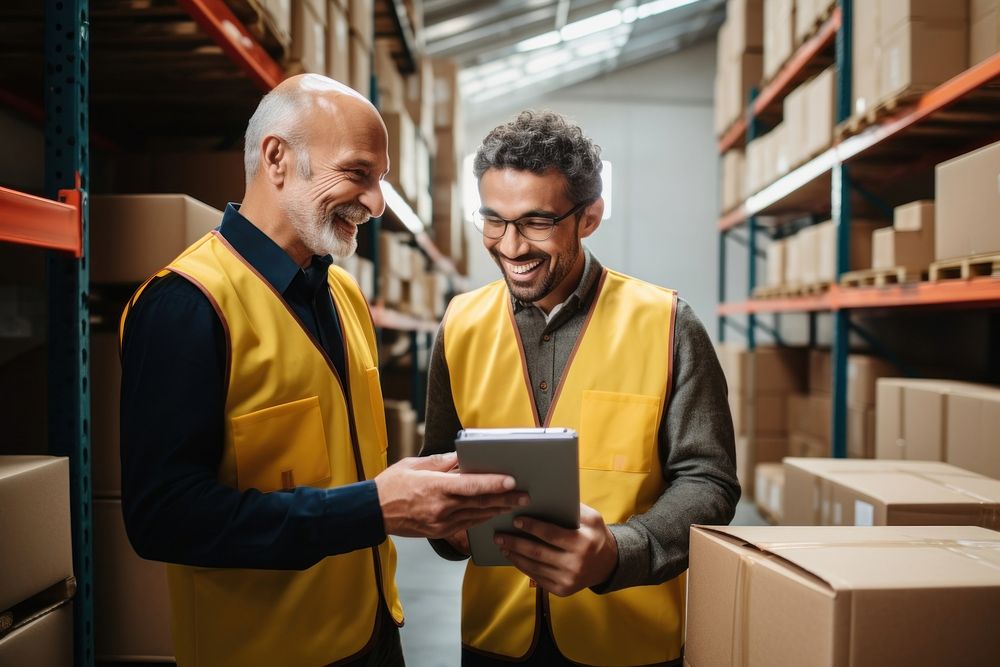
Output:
x=524 y=270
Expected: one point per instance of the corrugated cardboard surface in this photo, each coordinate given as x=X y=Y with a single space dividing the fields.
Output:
x=134 y=236
x=35 y=539
x=972 y=433
x=131 y=600
x=914 y=217
x=908 y=61
x=46 y=641
x=968 y=197
x=866 y=54
x=844 y=596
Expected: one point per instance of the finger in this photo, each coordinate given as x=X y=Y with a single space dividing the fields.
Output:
x=439 y=462
x=473 y=516
x=537 y=571
x=504 y=501
x=547 y=532
x=537 y=551
x=478 y=484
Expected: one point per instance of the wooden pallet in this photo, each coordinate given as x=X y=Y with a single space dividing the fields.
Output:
x=858 y=122
x=896 y=275
x=966 y=267
x=791 y=291
x=818 y=22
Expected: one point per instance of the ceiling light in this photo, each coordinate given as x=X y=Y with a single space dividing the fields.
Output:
x=592 y=24
x=660 y=6
x=540 y=42
x=401 y=209
x=548 y=61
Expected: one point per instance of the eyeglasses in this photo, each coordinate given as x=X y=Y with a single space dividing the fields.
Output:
x=533 y=228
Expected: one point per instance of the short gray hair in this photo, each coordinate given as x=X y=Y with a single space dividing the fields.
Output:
x=539 y=141
x=278 y=114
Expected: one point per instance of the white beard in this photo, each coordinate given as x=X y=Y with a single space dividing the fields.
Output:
x=318 y=232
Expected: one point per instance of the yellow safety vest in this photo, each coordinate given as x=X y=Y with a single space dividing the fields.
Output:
x=290 y=421
x=612 y=392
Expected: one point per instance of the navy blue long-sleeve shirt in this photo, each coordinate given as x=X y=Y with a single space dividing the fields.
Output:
x=173 y=399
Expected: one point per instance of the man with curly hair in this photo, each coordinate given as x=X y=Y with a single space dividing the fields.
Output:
x=563 y=341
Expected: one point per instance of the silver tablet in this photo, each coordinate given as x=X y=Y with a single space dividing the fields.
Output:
x=545 y=464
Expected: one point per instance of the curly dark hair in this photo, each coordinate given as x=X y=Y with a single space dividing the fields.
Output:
x=538 y=141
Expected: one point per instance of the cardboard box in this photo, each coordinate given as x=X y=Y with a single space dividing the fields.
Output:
x=809 y=251
x=775 y=275
x=131 y=599
x=826 y=248
x=745 y=19
x=402 y=153
x=765 y=370
x=420 y=98
x=910 y=64
x=860 y=432
x=807 y=446
x=213 y=177
x=36 y=551
x=796 y=118
x=361 y=66
x=866 y=50
x=338 y=44
x=769 y=485
x=447 y=218
x=401 y=425
x=863 y=372
x=447 y=102
x=46 y=641
x=779 y=34
x=917 y=216
x=805 y=19
x=733 y=170
x=280 y=14
x=391 y=87
x=891 y=248
x=971 y=432
x=361 y=14
x=968 y=197
x=897 y=12
x=134 y=236
x=793 y=260
x=309 y=35
x=782 y=596
x=820 y=371
x=821 y=117
x=984 y=36
x=810 y=483
x=752 y=450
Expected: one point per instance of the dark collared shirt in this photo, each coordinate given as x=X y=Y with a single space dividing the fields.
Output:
x=696 y=440
x=172 y=427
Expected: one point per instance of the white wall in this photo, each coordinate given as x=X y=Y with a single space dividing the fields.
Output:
x=654 y=123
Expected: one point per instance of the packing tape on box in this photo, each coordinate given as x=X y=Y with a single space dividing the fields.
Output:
x=765 y=550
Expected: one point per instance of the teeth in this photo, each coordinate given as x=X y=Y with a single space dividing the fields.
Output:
x=524 y=268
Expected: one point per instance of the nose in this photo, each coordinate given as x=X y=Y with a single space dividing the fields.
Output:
x=373 y=200
x=512 y=244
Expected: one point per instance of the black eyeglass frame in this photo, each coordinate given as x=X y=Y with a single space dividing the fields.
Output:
x=479 y=221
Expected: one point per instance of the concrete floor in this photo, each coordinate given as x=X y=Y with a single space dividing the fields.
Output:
x=431 y=591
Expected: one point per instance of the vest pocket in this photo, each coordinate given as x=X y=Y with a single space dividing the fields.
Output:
x=378 y=410
x=281 y=447
x=617 y=431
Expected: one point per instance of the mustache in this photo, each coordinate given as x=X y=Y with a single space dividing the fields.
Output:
x=356 y=214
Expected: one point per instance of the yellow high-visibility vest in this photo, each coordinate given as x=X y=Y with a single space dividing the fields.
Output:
x=612 y=392
x=290 y=420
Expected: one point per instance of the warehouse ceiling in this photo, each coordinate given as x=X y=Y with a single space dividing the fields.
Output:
x=516 y=49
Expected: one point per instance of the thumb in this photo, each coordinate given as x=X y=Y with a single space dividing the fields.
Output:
x=438 y=462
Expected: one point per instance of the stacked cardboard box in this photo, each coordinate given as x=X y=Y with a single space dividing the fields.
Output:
x=338 y=43
x=733 y=170
x=448 y=222
x=909 y=243
x=278 y=13
x=967 y=201
x=917 y=45
x=419 y=89
x=759 y=384
x=36 y=559
x=769 y=488
x=808 y=14
x=779 y=34
x=740 y=60
x=844 y=492
x=402 y=153
x=939 y=420
x=361 y=19
x=984 y=30
x=810 y=255
x=790 y=596
x=401 y=428
x=810 y=115
x=309 y=35
x=391 y=84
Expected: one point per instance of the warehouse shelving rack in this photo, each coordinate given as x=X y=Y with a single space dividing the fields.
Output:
x=58 y=223
x=959 y=115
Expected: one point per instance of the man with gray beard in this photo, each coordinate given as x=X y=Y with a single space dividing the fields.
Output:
x=253 y=441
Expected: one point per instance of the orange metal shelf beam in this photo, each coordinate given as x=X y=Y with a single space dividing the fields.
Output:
x=978 y=291
x=219 y=22
x=734 y=218
x=935 y=100
x=782 y=82
x=40 y=222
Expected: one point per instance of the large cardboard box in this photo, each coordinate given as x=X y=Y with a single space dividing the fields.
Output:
x=391 y=86
x=825 y=249
x=131 y=599
x=402 y=153
x=764 y=370
x=420 y=99
x=796 y=118
x=745 y=19
x=791 y=596
x=968 y=198
x=821 y=113
x=779 y=34
x=213 y=177
x=35 y=548
x=447 y=102
x=338 y=44
x=911 y=417
x=891 y=248
x=866 y=56
x=804 y=445
x=776 y=263
x=134 y=236
x=860 y=432
x=984 y=34
x=863 y=371
x=811 y=486
x=733 y=170
x=361 y=14
x=917 y=216
x=769 y=484
x=280 y=13
x=810 y=249
x=309 y=35
x=752 y=450
x=361 y=66
x=920 y=55
x=46 y=641
x=896 y=12
x=972 y=432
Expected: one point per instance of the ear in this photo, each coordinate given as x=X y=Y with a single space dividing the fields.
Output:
x=591 y=218
x=275 y=160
